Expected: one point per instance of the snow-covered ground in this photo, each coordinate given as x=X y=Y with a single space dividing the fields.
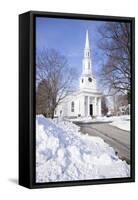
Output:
x=90 y=119
x=63 y=154
x=122 y=122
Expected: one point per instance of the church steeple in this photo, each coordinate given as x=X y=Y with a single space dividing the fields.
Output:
x=87 y=79
x=87 y=46
x=87 y=56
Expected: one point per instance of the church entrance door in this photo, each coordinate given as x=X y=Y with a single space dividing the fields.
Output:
x=91 y=109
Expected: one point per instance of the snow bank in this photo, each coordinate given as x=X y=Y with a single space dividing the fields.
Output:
x=122 y=122
x=91 y=120
x=63 y=154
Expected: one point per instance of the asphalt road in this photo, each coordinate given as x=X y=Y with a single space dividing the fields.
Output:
x=115 y=137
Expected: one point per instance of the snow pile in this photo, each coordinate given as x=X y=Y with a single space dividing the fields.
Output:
x=63 y=154
x=122 y=122
x=82 y=119
x=91 y=119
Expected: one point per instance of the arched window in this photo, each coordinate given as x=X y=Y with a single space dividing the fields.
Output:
x=72 y=106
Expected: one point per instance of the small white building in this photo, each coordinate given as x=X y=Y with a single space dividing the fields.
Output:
x=86 y=101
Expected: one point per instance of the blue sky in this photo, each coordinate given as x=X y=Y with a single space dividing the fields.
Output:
x=68 y=37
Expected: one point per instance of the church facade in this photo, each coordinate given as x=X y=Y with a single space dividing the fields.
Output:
x=86 y=101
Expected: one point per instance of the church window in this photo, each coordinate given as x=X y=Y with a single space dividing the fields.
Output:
x=72 y=106
x=88 y=65
x=82 y=80
x=60 y=112
x=90 y=79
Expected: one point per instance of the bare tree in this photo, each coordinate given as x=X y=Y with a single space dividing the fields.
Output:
x=121 y=100
x=116 y=46
x=104 y=105
x=53 y=69
x=43 y=103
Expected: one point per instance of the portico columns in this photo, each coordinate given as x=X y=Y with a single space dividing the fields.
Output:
x=99 y=106
x=95 y=106
x=88 y=114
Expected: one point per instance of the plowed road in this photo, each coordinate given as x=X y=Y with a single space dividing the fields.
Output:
x=115 y=137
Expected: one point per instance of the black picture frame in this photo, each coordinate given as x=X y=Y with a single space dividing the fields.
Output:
x=27 y=99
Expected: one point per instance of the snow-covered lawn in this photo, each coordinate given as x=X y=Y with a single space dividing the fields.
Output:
x=63 y=154
x=90 y=119
x=122 y=122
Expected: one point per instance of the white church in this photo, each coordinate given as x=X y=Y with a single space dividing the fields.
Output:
x=86 y=101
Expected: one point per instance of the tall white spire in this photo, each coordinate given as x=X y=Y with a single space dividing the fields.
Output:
x=87 y=80
x=87 y=46
x=87 y=57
